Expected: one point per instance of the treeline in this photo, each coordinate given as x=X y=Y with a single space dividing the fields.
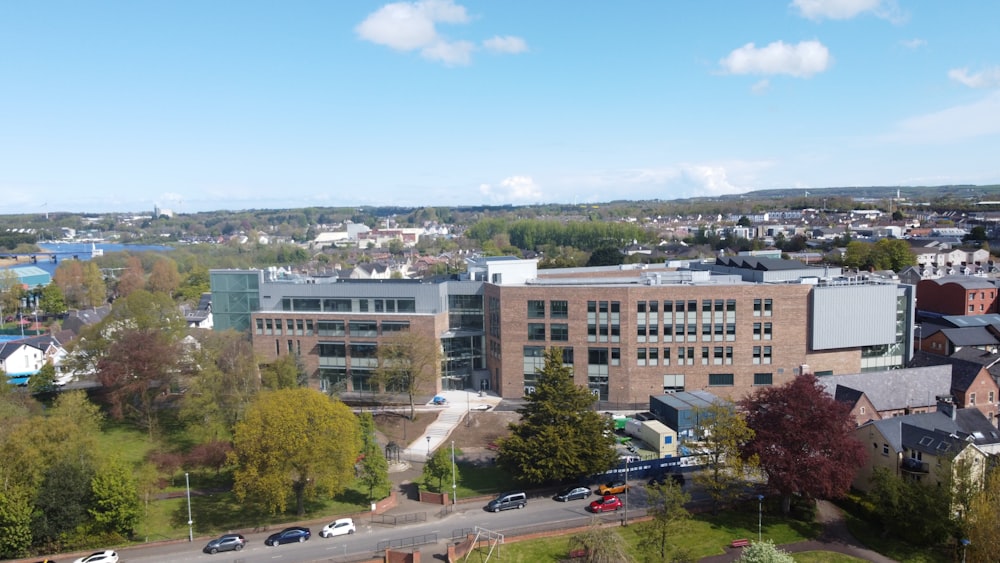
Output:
x=11 y=240
x=532 y=234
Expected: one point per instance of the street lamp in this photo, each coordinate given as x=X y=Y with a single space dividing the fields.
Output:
x=625 y=515
x=965 y=544
x=187 y=484
x=453 y=491
x=760 y=515
x=428 y=446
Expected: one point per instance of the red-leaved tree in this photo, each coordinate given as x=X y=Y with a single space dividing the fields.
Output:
x=804 y=440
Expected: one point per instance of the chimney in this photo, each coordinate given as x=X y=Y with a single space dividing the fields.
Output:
x=946 y=405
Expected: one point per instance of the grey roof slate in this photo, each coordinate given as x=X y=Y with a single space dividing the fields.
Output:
x=895 y=389
x=970 y=336
x=967 y=422
x=963 y=372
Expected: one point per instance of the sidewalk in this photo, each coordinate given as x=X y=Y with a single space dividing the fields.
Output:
x=458 y=404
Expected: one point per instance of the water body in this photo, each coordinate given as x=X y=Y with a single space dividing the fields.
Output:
x=82 y=251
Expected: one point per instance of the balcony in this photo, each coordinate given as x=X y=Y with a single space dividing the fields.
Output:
x=915 y=466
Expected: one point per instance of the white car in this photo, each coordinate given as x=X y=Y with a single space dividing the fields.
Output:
x=338 y=528
x=99 y=557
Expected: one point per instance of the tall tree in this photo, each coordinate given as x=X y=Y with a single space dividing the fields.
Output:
x=283 y=373
x=373 y=468
x=722 y=431
x=408 y=362
x=116 y=505
x=804 y=440
x=294 y=443
x=915 y=512
x=95 y=290
x=438 y=468
x=559 y=436
x=15 y=520
x=666 y=505
x=133 y=277
x=164 y=278
x=984 y=521
x=11 y=291
x=51 y=300
x=226 y=383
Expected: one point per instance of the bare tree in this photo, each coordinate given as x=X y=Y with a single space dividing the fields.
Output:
x=408 y=362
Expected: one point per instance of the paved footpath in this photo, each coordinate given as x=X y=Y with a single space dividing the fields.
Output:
x=835 y=537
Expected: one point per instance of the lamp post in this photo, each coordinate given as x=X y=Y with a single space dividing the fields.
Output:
x=760 y=516
x=965 y=544
x=625 y=515
x=428 y=446
x=453 y=490
x=187 y=484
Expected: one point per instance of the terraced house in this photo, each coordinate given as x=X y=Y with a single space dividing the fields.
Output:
x=627 y=332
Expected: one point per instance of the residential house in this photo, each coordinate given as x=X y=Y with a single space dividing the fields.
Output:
x=972 y=385
x=20 y=360
x=927 y=447
x=885 y=394
x=957 y=295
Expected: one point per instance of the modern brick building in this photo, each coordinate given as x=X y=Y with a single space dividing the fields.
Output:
x=628 y=332
x=957 y=295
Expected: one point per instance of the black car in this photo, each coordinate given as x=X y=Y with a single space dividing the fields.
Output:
x=677 y=478
x=228 y=542
x=573 y=493
x=288 y=535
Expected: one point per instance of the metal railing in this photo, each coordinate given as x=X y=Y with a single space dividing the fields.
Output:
x=403 y=543
x=396 y=519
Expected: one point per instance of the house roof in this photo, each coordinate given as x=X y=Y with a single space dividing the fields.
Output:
x=894 y=389
x=968 y=423
x=970 y=336
x=963 y=372
x=967 y=282
x=10 y=347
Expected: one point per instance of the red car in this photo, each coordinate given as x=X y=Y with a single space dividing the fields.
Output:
x=610 y=502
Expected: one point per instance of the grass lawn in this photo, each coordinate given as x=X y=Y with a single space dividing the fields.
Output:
x=705 y=535
x=869 y=535
x=476 y=481
x=824 y=557
x=125 y=441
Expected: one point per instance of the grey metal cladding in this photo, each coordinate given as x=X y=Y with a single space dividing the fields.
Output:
x=847 y=316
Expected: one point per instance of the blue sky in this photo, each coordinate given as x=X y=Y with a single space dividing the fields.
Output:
x=196 y=106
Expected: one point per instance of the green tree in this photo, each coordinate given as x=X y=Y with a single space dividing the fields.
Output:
x=11 y=291
x=283 y=373
x=559 y=436
x=983 y=522
x=606 y=256
x=15 y=520
x=919 y=513
x=228 y=380
x=294 y=443
x=722 y=432
x=438 y=468
x=408 y=362
x=666 y=502
x=374 y=469
x=857 y=255
x=764 y=552
x=52 y=301
x=95 y=290
x=44 y=380
x=116 y=505
x=60 y=507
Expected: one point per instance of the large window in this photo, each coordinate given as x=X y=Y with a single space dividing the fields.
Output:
x=330 y=328
x=559 y=309
x=364 y=356
x=720 y=379
x=559 y=332
x=536 y=309
x=764 y=379
x=389 y=327
x=536 y=331
x=365 y=329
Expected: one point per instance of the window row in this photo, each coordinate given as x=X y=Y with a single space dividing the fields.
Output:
x=557 y=309
x=348 y=305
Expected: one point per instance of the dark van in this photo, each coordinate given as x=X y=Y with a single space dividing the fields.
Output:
x=507 y=500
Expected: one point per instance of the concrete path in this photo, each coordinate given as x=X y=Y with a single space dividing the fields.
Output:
x=458 y=404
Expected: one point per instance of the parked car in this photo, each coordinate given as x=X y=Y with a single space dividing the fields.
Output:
x=338 y=527
x=573 y=493
x=677 y=478
x=605 y=504
x=107 y=556
x=227 y=542
x=506 y=501
x=289 y=535
x=613 y=488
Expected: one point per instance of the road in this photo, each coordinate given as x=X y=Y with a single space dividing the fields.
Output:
x=539 y=514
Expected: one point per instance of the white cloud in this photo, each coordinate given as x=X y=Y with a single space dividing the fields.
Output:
x=978 y=119
x=413 y=26
x=513 y=189
x=803 y=59
x=914 y=43
x=987 y=78
x=506 y=44
x=847 y=9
